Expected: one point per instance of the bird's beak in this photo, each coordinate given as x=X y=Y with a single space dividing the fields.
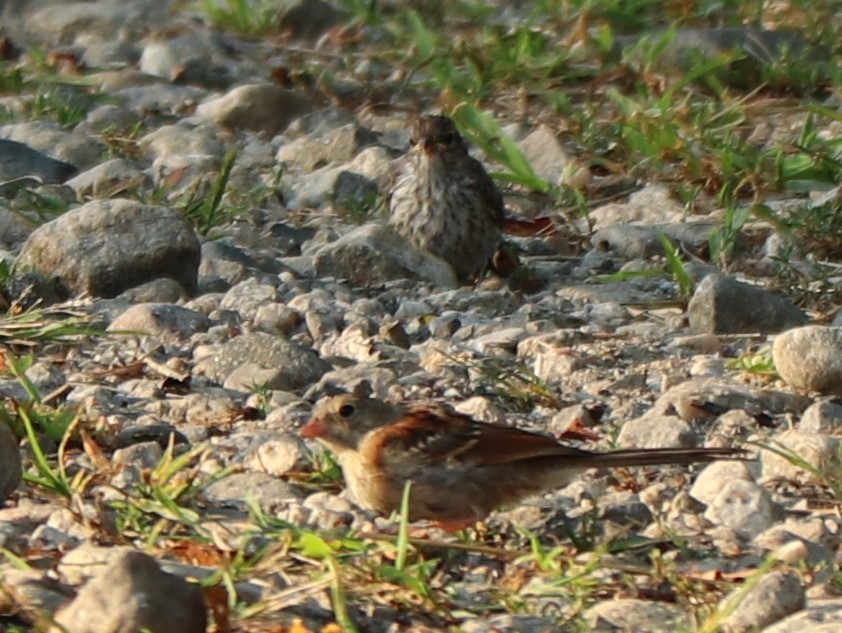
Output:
x=429 y=146
x=315 y=428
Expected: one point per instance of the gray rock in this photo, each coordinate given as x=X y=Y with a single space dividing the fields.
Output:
x=632 y=292
x=247 y=297
x=276 y=318
x=308 y=18
x=326 y=148
x=374 y=254
x=183 y=140
x=323 y=321
x=87 y=561
x=107 y=246
x=444 y=327
x=288 y=239
x=332 y=184
x=162 y=320
x=131 y=594
x=624 y=509
x=145 y=455
x=723 y=305
x=75 y=148
x=109 y=178
x=652 y=205
x=110 y=53
x=775 y=596
x=163 y=290
x=25 y=289
x=278 y=363
x=818 y=616
x=276 y=454
x=818 y=449
x=219 y=250
x=793 y=549
x=109 y=118
x=162 y=434
x=507 y=623
x=503 y=341
x=358 y=379
x=745 y=507
x=271 y=493
x=629 y=614
x=712 y=479
x=810 y=358
x=656 y=431
x=14 y=229
x=705 y=399
x=258 y=107
x=144 y=93
x=45 y=376
x=19 y=161
x=546 y=155
x=68 y=21
x=628 y=241
x=822 y=417
x=187 y=58
x=33 y=589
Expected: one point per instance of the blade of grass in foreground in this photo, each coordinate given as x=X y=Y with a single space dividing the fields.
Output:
x=484 y=132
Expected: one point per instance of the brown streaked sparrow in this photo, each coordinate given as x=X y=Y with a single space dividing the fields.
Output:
x=443 y=201
x=460 y=469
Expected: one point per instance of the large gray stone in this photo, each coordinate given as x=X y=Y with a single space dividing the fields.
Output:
x=810 y=358
x=107 y=246
x=134 y=594
x=374 y=253
x=259 y=107
x=258 y=358
x=723 y=305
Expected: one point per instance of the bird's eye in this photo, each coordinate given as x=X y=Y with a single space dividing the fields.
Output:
x=346 y=410
x=413 y=142
x=449 y=138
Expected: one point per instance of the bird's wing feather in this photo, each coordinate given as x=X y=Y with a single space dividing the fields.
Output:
x=488 y=190
x=429 y=436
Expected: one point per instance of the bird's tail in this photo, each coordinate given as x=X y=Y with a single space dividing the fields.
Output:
x=656 y=456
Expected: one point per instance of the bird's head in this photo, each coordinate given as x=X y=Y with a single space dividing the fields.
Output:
x=436 y=135
x=341 y=422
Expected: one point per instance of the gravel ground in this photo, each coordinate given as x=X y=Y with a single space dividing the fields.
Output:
x=188 y=348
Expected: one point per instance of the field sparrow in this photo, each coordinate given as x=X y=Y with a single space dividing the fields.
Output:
x=460 y=469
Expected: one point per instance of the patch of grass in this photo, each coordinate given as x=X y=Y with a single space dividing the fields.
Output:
x=124 y=143
x=483 y=131
x=514 y=383
x=39 y=325
x=676 y=266
x=359 y=210
x=325 y=470
x=759 y=362
x=47 y=90
x=34 y=420
x=55 y=105
x=38 y=206
x=48 y=476
x=723 y=239
x=164 y=503
x=248 y=17
x=208 y=211
x=811 y=162
x=828 y=474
